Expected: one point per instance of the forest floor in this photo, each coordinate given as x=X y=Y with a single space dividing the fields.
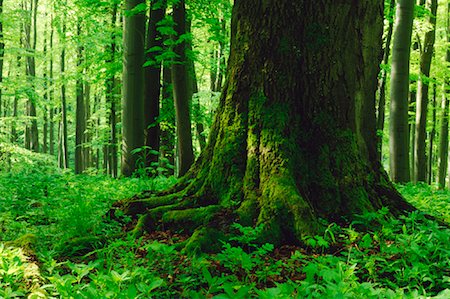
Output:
x=56 y=242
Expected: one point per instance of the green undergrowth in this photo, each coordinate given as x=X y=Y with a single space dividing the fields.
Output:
x=51 y=223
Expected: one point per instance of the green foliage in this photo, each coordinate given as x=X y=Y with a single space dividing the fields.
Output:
x=57 y=219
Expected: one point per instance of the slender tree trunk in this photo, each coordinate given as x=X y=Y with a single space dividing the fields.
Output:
x=97 y=132
x=193 y=90
x=167 y=146
x=111 y=98
x=182 y=96
x=88 y=136
x=31 y=132
x=213 y=71
x=45 y=96
x=221 y=68
x=432 y=135
x=443 y=135
x=200 y=128
x=80 y=128
x=153 y=82
x=14 y=135
x=2 y=55
x=398 y=130
x=383 y=78
x=64 y=155
x=422 y=97
x=50 y=94
x=412 y=131
x=133 y=88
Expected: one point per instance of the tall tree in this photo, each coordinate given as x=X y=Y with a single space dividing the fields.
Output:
x=383 y=78
x=432 y=136
x=182 y=91
x=167 y=146
x=32 y=133
x=80 y=128
x=45 y=96
x=398 y=129
x=287 y=146
x=412 y=127
x=111 y=97
x=133 y=84
x=63 y=147
x=2 y=55
x=153 y=81
x=443 y=132
x=50 y=93
x=420 y=158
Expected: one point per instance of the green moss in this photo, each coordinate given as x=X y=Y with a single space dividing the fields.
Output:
x=248 y=211
x=204 y=239
x=190 y=219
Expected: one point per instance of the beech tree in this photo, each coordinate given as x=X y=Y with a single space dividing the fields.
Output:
x=294 y=139
x=383 y=78
x=443 y=132
x=398 y=130
x=80 y=109
x=2 y=55
x=420 y=158
x=182 y=91
x=133 y=85
x=152 y=89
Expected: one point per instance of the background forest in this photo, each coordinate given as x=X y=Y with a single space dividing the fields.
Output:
x=102 y=100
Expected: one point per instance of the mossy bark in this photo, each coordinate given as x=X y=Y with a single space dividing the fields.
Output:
x=293 y=142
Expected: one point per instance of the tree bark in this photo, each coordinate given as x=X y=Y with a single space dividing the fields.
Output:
x=133 y=87
x=289 y=144
x=432 y=135
x=45 y=96
x=32 y=133
x=181 y=93
x=63 y=148
x=167 y=146
x=50 y=94
x=443 y=135
x=80 y=128
x=88 y=136
x=153 y=82
x=2 y=55
x=111 y=98
x=382 y=81
x=398 y=129
x=422 y=97
x=412 y=132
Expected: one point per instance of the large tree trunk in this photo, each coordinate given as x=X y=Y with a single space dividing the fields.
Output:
x=422 y=98
x=287 y=146
x=133 y=88
x=398 y=130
